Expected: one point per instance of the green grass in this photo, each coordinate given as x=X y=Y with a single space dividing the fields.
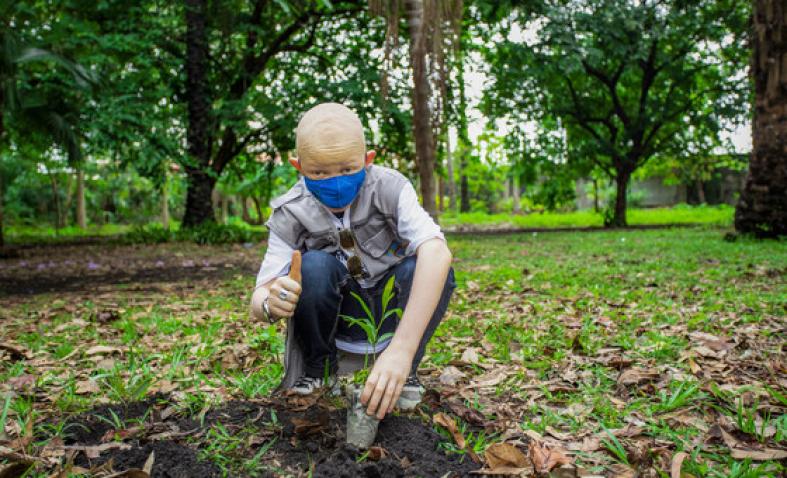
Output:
x=546 y=308
x=708 y=215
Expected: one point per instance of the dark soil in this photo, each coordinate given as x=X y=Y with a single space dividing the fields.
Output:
x=170 y=460
x=299 y=437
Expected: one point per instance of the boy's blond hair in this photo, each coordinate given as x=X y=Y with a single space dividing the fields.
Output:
x=329 y=131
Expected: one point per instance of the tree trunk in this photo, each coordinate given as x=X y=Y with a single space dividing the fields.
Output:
x=66 y=209
x=622 y=182
x=2 y=148
x=517 y=200
x=450 y=172
x=700 y=191
x=440 y=194
x=225 y=208
x=200 y=181
x=56 y=197
x=258 y=208
x=463 y=137
x=165 y=204
x=81 y=211
x=244 y=210
x=762 y=208
x=422 y=117
x=596 y=207
x=2 y=236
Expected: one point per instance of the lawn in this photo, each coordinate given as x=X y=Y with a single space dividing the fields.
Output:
x=620 y=350
x=716 y=216
x=721 y=215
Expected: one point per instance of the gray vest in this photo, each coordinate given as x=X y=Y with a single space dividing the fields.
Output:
x=305 y=223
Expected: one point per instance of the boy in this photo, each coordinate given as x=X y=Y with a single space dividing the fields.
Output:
x=357 y=225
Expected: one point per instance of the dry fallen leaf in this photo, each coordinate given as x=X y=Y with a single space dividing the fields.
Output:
x=491 y=378
x=305 y=427
x=148 y=466
x=741 y=451
x=449 y=424
x=677 y=463
x=451 y=375
x=470 y=356
x=505 y=455
x=376 y=453
x=102 y=349
x=16 y=352
x=23 y=382
x=545 y=459
x=635 y=375
x=470 y=415
x=85 y=387
x=620 y=470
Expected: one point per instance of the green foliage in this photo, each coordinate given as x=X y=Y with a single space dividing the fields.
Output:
x=150 y=234
x=206 y=233
x=625 y=81
x=212 y=233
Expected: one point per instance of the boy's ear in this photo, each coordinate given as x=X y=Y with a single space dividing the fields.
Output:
x=370 y=157
x=295 y=163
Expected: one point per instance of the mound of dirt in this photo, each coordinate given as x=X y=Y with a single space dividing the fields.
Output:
x=299 y=438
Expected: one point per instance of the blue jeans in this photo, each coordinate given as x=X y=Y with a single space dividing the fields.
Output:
x=326 y=294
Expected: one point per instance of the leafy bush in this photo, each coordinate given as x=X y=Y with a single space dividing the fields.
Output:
x=212 y=233
x=208 y=233
x=150 y=234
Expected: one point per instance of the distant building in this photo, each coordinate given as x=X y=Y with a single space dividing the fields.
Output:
x=724 y=188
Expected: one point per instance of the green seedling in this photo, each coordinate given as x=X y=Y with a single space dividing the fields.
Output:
x=682 y=395
x=615 y=447
x=372 y=329
x=362 y=428
x=4 y=414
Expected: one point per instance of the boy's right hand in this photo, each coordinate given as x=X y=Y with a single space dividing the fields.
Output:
x=291 y=285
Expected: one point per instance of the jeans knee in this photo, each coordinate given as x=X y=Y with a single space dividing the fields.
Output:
x=405 y=270
x=319 y=270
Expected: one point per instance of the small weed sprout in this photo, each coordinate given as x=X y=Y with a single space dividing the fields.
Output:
x=615 y=447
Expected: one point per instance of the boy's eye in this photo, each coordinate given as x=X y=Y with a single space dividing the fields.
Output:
x=347 y=170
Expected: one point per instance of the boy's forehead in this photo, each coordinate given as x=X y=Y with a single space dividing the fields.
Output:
x=330 y=132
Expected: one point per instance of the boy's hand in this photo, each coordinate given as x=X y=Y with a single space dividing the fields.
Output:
x=386 y=381
x=291 y=285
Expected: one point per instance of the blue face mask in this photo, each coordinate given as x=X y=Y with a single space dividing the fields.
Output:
x=338 y=191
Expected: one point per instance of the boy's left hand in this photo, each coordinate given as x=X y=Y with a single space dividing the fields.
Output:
x=385 y=381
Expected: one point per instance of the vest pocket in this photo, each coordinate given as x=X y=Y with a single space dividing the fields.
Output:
x=378 y=244
x=323 y=241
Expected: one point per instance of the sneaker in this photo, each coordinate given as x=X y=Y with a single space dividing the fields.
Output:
x=412 y=393
x=307 y=385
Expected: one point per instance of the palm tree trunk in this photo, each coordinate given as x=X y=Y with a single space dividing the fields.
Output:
x=422 y=117
x=517 y=200
x=81 y=212
x=762 y=208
